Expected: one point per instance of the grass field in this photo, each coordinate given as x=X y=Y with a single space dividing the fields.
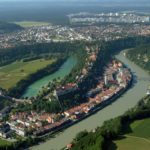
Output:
x=141 y=128
x=4 y=143
x=27 y=24
x=138 y=139
x=12 y=73
x=131 y=143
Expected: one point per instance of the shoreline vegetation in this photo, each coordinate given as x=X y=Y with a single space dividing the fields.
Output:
x=112 y=129
x=32 y=52
x=6 y=27
x=20 y=87
x=140 y=56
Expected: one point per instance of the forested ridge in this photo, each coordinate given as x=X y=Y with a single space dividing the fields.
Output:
x=141 y=56
x=34 y=50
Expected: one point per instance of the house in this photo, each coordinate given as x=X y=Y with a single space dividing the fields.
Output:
x=20 y=132
x=70 y=87
x=69 y=146
x=15 y=127
x=93 y=92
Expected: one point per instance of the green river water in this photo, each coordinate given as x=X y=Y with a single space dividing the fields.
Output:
x=122 y=104
x=64 y=70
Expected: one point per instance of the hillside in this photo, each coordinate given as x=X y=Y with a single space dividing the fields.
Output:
x=138 y=138
x=140 y=56
x=8 y=27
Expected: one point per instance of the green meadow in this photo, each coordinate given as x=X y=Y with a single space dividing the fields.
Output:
x=27 y=24
x=4 y=143
x=138 y=139
x=14 y=72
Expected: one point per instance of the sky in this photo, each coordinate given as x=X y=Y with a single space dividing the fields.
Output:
x=90 y=2
x=79 y=0
x=62 y=0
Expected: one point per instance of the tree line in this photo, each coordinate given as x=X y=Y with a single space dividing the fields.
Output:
x=112 y=129
x=6 y=27
x=20 y=87
x=141 y=56
x=9 y=55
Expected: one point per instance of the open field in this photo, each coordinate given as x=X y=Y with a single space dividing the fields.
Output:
x=141 y=128
x=131 y=143
x=12 y=73
x=27 y=24
x=139 y=139
x=4 y=143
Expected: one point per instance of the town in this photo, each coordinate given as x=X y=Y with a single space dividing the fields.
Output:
x=115 y=80
x=118 y=17
x=58 y=33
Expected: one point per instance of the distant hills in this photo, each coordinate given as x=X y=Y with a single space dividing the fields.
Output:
x=56 y=11
x=6 y=27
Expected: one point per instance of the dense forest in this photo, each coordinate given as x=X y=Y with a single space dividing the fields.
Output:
x=6 y=27
x=31 y=51
x=141 y=56
x=24 y=51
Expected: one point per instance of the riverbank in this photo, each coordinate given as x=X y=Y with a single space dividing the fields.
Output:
x=63 y=70
x=128 y=100
x=140 y=55
x=20 y=87
x=93 y=110
x=12 y=73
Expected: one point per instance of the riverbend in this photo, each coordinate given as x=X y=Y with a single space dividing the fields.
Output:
x=64 y=70
x=128 y=100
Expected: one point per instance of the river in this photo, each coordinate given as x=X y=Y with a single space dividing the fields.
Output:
x=122 y=104
x=64 y=70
